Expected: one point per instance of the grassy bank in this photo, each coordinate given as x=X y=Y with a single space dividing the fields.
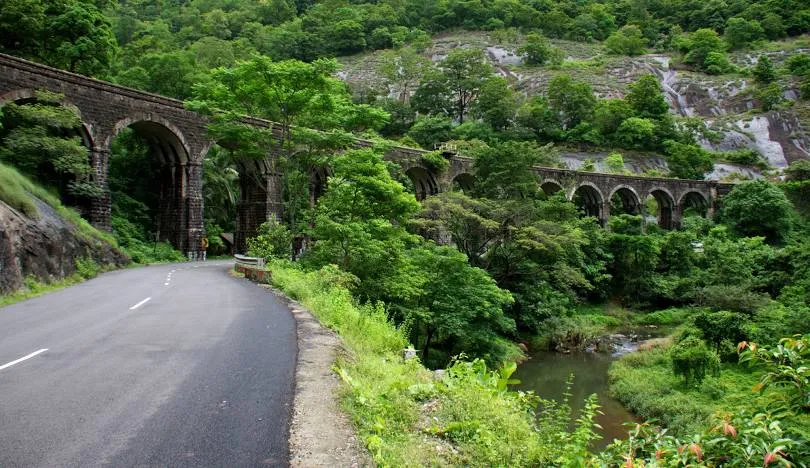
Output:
x=20 y=193
x=406 y=417
x=645 y=383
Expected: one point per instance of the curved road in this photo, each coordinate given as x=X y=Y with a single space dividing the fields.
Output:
x=200 y=374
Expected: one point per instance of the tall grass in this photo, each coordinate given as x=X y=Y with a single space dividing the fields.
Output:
x=406 y=416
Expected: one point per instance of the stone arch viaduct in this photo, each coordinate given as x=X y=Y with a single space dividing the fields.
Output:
x=179 y=143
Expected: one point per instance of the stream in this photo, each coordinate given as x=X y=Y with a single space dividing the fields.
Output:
x=546 y=373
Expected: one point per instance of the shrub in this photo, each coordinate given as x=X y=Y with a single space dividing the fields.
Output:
x=692 y=360
x=737 y=298
x=87 y=267
x=273 y=240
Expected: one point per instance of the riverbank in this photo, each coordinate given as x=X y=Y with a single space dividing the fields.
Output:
x=407 y=415
x=645 y=383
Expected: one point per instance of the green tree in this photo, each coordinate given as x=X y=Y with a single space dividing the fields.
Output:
x=429 y=131
x=72 y=34
x=687 y=161
x=636 y=132
x=629 y=40
x=459 y=308
x=572 y=100
x=764 y=71
x=402 y=70
x=496 y=104
x=538 y=51
x=758 y=208
x=359 y=225
x=41 y=138
x=699 y=44
x=464 y=72
x=740 y=32
x=647 y=99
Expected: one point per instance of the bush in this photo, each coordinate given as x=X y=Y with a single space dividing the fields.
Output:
x=737 y=298
x=87 y=268
x=692 y=360
x=273 y=240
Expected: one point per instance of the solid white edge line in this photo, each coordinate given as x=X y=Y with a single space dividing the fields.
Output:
x=140 y=303
x=23 y=358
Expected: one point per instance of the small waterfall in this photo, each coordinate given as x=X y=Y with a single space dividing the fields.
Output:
x=668 y=79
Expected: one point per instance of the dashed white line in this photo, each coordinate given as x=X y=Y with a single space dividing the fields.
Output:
x=24 y=358
x=140 y=303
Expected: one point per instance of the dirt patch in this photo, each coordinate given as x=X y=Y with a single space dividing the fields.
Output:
x=321 y=434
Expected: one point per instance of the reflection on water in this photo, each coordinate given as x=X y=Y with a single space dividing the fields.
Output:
x=546 y=373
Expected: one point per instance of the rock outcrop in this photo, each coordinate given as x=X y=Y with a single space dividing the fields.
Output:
x=46 y=248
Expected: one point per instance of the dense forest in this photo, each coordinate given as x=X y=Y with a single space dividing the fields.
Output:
x=475 y=272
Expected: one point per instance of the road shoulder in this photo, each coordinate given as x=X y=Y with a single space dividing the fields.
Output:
x=321 y=434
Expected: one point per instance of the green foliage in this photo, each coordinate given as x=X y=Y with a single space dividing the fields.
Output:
x=740 y=32
x=87 y=268
x=41 y=138
x=73 y=35
x=472 y=415
x=614 y=163
x=785 y=365
x=538 y=51
x=273 y=240
x=692 y=360
x=687 y=161
x=758 y=208
x=629 y=40
x=738 y=441
x=706 y=51
x=764 y=71
x=573 y=101
x=770 y=96
x=717 y=327
x=430 y=131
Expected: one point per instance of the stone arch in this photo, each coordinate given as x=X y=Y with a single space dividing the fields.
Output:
x=551 y=186
x=695 y=200
x=164 y=137
x=463 y=182
x=318 y=182
x=424 y=183
x=588 y=198
x=666 y=207
x=86 y=133
x=625 y=199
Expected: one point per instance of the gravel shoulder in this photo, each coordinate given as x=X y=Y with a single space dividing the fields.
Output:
x=321 y=433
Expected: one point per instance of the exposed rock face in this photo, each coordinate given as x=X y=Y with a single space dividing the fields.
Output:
x=45 y=248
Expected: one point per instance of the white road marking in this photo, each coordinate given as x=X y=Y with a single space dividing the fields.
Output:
x=165 y=284
x=24 y=358
x=140 y=303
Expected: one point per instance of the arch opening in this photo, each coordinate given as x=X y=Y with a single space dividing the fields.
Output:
x=625 y=201
x=148 y=176
x=659 y=207
x=588 y=200
x=694 y=204
x=424 y=185
x=463 y=183
x=550 y=187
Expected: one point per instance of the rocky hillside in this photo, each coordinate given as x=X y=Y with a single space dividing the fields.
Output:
x=727 y=103
x=42 y=239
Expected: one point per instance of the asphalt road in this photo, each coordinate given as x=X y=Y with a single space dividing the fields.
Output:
x=200 y=374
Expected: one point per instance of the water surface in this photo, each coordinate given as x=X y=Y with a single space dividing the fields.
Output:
x=547 y=372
